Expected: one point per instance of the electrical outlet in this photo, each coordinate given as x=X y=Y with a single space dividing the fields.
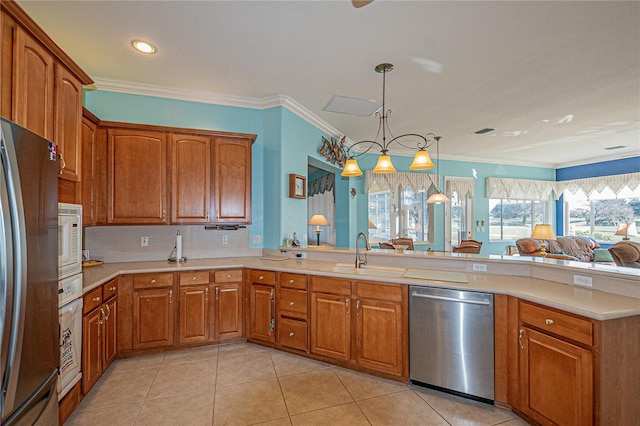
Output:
x=582 y=280
x=225 y=239
x=144 y=241
x=480 y=267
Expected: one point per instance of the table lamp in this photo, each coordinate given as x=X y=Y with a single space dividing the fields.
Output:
x=318 y=220
x=543 y=232
x=626 y=229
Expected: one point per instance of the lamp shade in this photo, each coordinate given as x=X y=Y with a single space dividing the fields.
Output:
x=372 y=225
x=543 y=232
x=627 y=229
x=384 y=165
x=351 y=168
x=437 y=198
x=318 y=220
x=422 y=161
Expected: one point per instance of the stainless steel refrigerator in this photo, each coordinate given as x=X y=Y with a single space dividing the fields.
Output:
x=28 y=277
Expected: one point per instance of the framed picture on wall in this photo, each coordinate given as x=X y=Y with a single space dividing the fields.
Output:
x=297 y=186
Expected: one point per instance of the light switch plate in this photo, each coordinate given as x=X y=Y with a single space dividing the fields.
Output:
x=256 y=239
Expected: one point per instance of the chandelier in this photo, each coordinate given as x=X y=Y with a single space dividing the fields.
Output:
x=421 y=160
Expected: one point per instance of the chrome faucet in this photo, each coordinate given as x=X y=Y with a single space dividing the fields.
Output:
x=359 y=260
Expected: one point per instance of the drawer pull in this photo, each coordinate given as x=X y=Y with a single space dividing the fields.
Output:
x=548 y=321
x=292 y=281
x=291 y=303
x=291 y=334
x=170 y=296
x=261 y=277
x=228 y=275
x=217 y=290
x=194 y=278
x=112 y=289
x=153 y=281
x=96 y=299
x=206 y=294
x=520 y=333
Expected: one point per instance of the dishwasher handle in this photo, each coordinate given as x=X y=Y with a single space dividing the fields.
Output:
x=452 y=299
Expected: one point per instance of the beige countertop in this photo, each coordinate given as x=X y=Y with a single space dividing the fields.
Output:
x=583 y=301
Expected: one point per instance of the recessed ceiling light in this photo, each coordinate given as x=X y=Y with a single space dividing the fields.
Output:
x=483 y=131
x=143 y=46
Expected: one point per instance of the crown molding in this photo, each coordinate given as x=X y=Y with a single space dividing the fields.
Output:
x=144 y=89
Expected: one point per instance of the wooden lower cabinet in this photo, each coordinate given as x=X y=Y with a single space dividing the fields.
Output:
x=194 y=314
x=99 y=332
x=331 y=326
x=262 y=326
x=228 y=311
x=379 y=335
x=153 y=318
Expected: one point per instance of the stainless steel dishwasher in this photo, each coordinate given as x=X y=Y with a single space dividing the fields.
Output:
x=451 y=341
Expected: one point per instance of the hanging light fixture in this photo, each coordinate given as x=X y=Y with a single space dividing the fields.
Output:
x=421 y=161
x=438 y=197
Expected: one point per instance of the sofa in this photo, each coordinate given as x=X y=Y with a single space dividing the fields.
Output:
x=582 y=249
x=626 y=253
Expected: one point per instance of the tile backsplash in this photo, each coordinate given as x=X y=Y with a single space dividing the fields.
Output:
x=122 y=243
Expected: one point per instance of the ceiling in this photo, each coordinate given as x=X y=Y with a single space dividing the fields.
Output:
x=559 y=81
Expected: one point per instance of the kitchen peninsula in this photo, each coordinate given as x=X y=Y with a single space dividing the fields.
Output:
x=595 y=330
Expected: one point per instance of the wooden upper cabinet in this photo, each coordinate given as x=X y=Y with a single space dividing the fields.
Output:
x=190 y=178
x=137 y=177
x=33 y=85
x=88 y=168
x=232 y=179
x=68 y=123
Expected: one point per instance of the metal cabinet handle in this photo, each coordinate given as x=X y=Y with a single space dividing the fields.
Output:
x=206 y=294
x=261 y=277
x=217 y=291
x=520 y=333
x=548 y=321
x=96 y=299
x=112 y=288
x=170 y=296
x=358 y=307
x=101 y=319
x=291 y=334
x=291 y=303
x=228 y=275
x=153 y=281
x=194 y=278
x=207 y=219
x=108 y=312
x=63 y=164
x=292 y=281
x=164 y=214
x=346 y=304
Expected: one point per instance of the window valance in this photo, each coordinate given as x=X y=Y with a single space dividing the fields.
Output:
x=390 y=182
x=521 y=189
x=463 y=186
x=322 y=184
x=589 y=186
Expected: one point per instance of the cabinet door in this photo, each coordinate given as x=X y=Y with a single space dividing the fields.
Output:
x=33 y=88
x=262 y=313
x=379 y=335
x=228 y=311
x=190 y=178
x=152 y=318
x=110 y=332
x=194 y=314
x=137 y=177
x=87 y=167
x=556 y=380
x=232 y=180
x=68 y=123
x=91 y=349
x=331 y=326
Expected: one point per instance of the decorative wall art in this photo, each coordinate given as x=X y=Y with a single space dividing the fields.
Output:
x=297 y=186
x=334 y=151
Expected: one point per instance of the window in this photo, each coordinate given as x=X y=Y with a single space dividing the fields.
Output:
x=514 y=219
x=599 y=215
x=410 y=220
x=460 y=217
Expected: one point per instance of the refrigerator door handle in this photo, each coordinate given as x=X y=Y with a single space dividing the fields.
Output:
x=18 y=228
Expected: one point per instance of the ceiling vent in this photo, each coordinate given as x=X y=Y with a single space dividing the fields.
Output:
x=354 y=106
x=483 y=131
x=611 y=148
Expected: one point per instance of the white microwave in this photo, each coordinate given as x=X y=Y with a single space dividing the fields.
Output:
x=69 y=239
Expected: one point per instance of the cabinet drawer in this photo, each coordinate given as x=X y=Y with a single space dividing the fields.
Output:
x=263 y=277
x=92 y=300
x=230 y=276
x=109 y=290
x=293 y=303
x=293 y=334
x=563 y=324
x=293 y=281
x=387 y=292
x=153 y=280
x=194 y=277
x=331 y=285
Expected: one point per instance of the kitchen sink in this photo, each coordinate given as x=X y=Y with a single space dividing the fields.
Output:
x=376 y=271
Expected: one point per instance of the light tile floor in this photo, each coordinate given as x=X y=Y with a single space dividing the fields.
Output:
x=246 y=384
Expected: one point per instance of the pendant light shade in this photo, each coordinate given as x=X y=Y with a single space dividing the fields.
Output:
x=351 y=168
x=437 y=198
x=384 y=164
x=422 y=161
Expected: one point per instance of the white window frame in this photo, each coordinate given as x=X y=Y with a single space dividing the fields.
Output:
x=397 y=219
x=467 y=231
x=546 y=213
